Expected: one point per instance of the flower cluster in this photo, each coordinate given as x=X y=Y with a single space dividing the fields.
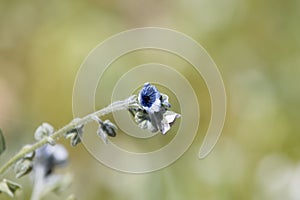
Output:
x=152 y=110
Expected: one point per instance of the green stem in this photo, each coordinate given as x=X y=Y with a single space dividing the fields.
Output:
x=119 y=105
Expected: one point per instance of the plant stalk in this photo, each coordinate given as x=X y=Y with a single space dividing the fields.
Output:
x=116 y=106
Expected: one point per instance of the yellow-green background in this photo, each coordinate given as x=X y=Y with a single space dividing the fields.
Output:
x=256 y=46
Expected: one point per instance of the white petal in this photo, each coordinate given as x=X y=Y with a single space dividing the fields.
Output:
x=165 y=126
x=171 y=116
x=168 y=120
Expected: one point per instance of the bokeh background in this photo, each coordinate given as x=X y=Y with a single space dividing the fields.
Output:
x=256 y=46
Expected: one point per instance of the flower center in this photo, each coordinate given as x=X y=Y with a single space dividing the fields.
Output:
x=147 y=100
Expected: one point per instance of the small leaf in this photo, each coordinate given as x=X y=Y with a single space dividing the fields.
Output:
x=165 y=101
x=141 y=116
x=75 y=135
x=109 y=128
x=105 y=129
x=29 y=155
x=9 y=187
x=43 y=130
x=23 y=167
x=143 y=120
x=2 y=143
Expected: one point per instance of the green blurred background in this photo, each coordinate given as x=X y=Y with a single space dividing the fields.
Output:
x=256 y=46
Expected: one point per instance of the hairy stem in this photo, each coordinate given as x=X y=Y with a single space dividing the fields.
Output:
x=118 y=105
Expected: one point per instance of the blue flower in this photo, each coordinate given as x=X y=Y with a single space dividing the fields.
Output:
x=152 y=110
x=149 y=98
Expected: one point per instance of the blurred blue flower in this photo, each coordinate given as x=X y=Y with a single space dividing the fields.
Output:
x=50 y=157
